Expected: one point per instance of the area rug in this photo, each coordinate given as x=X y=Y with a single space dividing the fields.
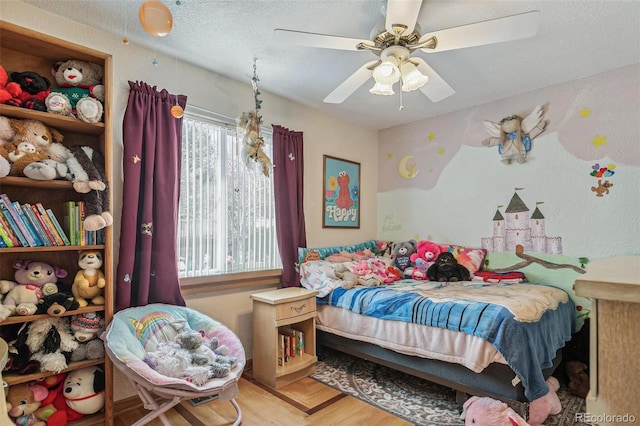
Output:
x=415 y=400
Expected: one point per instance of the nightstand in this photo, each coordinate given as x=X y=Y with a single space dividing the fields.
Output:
x=274 y=312
x=614 y=374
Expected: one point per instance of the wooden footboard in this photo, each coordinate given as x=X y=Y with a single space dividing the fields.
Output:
x=495 y=381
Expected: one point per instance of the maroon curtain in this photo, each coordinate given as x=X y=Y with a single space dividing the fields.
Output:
x=288 y=189
x=147 y=268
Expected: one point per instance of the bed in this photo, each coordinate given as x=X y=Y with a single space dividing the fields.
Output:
x=493 y=338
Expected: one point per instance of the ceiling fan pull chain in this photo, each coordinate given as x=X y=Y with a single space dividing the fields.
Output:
x=401 y=106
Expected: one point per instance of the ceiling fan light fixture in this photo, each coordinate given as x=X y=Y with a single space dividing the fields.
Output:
x=412 y=78
x=382 y=89
x=387 y=72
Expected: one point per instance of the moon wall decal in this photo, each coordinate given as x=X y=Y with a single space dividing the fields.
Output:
x=407 y=171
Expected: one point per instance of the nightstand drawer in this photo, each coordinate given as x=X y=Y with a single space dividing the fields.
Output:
x=295 y=308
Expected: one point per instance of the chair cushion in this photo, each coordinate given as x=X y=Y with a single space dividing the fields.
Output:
x=133 y=332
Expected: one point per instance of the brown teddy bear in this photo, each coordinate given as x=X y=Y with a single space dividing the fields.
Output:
x=80 y=91
x=34 y=137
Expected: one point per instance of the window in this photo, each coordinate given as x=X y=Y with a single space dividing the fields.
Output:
x=227 y=217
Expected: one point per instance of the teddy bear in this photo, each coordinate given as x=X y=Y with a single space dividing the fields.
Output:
x=446 y=268
x=8 y=89
x=401 y=254
x=35 y=89
x=57 y=304
x=19 y=155
x=23 y=404
x=348 y=279
x=487 y=411
x=79 y=91
x=427 y=251
x=51 y=342
x=87 y=328
x=365 y=275
x=89 y=282
x=32 y=281
x=578 y=378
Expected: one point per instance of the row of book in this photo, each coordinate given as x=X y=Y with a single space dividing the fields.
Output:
x=291 y=344
x=33 y=225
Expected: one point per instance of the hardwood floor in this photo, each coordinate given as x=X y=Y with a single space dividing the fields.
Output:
x=305 y=402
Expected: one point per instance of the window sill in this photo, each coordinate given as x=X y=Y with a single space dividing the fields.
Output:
x=191 y=286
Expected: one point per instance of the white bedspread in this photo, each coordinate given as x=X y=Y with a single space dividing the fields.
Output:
x=410 y=339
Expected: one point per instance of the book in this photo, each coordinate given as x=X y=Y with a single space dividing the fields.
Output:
x=33 y=225
x=5 y=225
x=45 y=234
x=58 y=227
x=70 y=221
x=17 y=221
x=12 y=224
x=44 y=217
x=5 y=241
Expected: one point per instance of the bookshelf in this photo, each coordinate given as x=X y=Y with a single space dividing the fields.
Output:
x=286 y=311
x=24 y=49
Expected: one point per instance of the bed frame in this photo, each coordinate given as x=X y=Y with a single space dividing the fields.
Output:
x=494 y=381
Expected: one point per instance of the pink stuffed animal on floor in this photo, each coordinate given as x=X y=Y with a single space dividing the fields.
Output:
x=486 y=411
x=541 y=408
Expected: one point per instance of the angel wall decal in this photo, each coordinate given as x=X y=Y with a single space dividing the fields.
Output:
x=513 y=135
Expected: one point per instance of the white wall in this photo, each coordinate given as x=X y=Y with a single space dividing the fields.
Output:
x=322 y=135
x=460 y=183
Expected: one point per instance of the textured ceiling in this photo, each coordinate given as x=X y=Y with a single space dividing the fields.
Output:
x=575 y=39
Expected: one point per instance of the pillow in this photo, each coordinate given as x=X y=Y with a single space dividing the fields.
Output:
x=306 y=254
x=470 y=258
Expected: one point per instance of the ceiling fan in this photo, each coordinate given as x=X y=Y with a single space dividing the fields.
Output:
x=399 y=38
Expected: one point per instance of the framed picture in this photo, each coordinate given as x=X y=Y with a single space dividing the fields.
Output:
x=341 y=193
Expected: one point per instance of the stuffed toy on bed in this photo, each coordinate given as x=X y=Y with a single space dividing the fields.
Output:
x=446 y=268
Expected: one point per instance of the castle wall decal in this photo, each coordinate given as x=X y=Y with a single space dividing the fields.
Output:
x=519 y=227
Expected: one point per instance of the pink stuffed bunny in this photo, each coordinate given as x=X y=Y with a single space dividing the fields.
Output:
x=540 y=408
x=485 y=411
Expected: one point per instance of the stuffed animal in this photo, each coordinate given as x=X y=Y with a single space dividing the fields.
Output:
x=23 y=404
x=57 y=304
x=32 y=281
x=365 y=275
x=84 y=390
x=84 y=166
x=34 y=132
x=6 y=136
x=427 y=251
x=420 y=270
x=446 y=268
x=541 y=408
x=35 y=89
x=51 y=342
x=202 y=354
x=401 y=253
x=80 y=90
x=578 y=378
x=20 y=155
x=348 y=278
x=249 y=123
x=513 y=135
x=87 y=328
x=379 y=267
x=171 y=360
x=486 y=411
x=8 y=89
x=53 y=415
x=89 y=282
x=19 y=355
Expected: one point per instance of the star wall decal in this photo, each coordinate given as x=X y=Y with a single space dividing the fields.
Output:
x=440 y=151
x=431 y=136
x=389 y=155
x=585 y=112
x=598 y=141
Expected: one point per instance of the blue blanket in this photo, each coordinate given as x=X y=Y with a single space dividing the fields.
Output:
x=527 y=347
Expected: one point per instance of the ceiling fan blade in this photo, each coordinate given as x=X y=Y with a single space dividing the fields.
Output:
x=351 y=84
x=403 y=12
x=436 y=88
x=302 y=38
x=487 y=32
